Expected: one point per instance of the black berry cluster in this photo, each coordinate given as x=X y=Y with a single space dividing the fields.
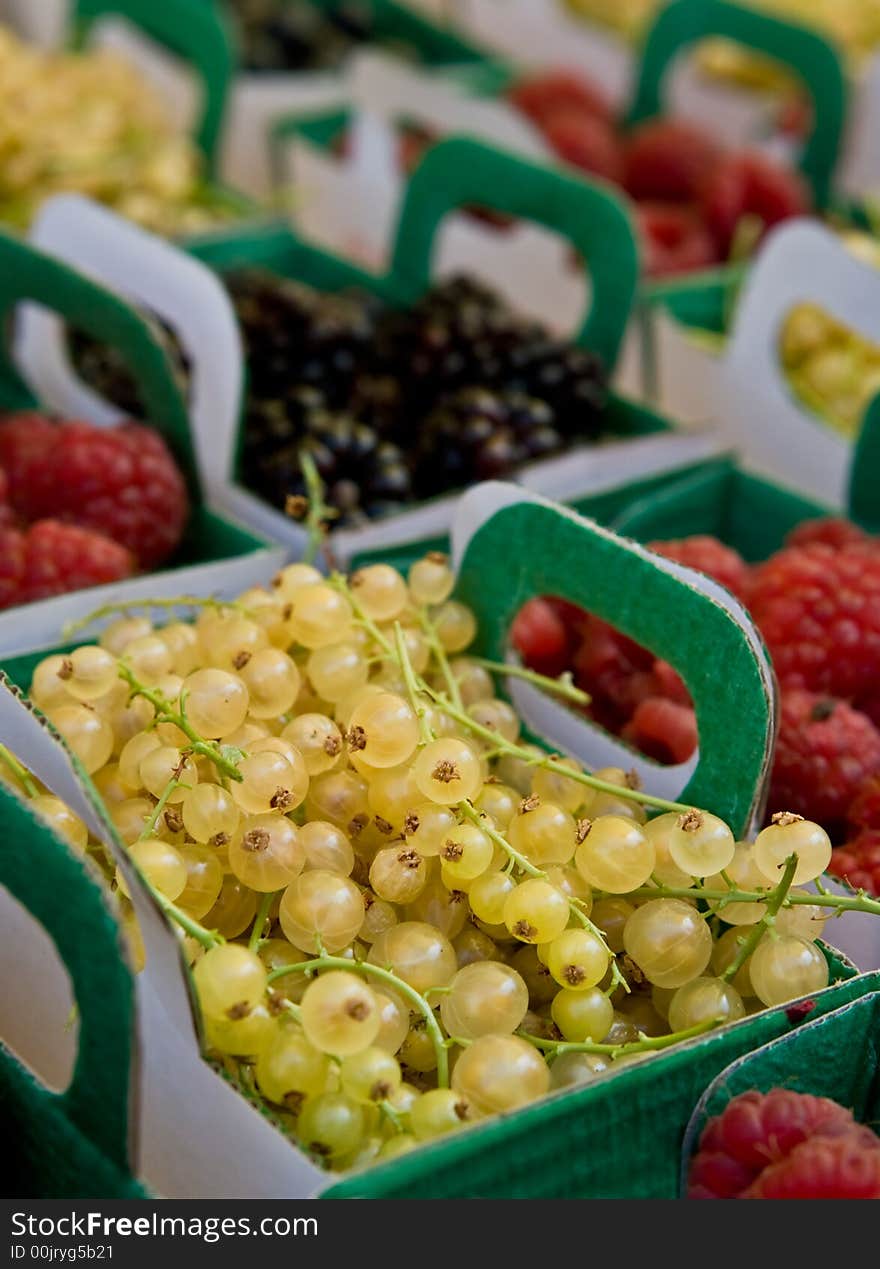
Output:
x=280 y=35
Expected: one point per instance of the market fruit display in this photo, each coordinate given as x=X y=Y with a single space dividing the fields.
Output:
x=696 y=203
x=816 y=603
x=82 y=505
x=277 y=35
x=785 y=1145
x=400 y=918
x=88 y=122
x=393 y=406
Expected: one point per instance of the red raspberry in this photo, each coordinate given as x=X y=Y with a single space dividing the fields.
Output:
x=7 y=514
x=858 y=863
x=26 y=442
x=757 y=1129
x=846 y=1167
x=673 y=240
x=864 y=810
x=707 y=555
x=64 y=557
x=539 y=635
x=825 y=750
x=831 y=531
x=541 y=96
x=614 y=670
x=668 y=161
x=750 y=184
x=663 y=730
x=120 y=481
x=585 y=141
x=819 y=612
x=11 y=565
x=670 y=683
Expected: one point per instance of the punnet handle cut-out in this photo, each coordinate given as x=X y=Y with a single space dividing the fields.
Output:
x=57 y=886
x=192 y=29
x=28 y=274
x=816 y=63
x=462 y=171
x=510 y=546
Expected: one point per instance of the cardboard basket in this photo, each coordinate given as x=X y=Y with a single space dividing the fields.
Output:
x=835 y=1055
x=183 y=1130
x=456 y=173
x=217 y=552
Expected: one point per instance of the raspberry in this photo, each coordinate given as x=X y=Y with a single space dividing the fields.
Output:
x=119 y=481
x=750 y=184
x=707 y=555
x=662 y=729
x=670 y=683
x=819 y=612
x=26 y=442
x=846 y=1167
x=758 y=1129
x=539 y=636
x=11 y=565
x=673 y=239
x=64 y=557
x=585 y=141
x=614 y=670
x=830 y=531
x=541 y=96
x=7 y=514
x=825 y=750
x=668 y=161
x=864 y=810
x=858 y=863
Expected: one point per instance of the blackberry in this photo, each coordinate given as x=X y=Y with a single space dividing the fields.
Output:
x=479 y=434
x=106 y=370
x=281 y=35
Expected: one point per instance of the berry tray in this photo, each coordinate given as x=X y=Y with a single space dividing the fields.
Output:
x=140 y=1089
x=215 y=551
x=458 y=173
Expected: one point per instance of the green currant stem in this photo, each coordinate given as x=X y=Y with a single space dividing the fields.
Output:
x=468 y=812
x=386 y=976
x=858 y=902
x=425 y=732
x=550 y=764
x=388 y=1112
x=647 y=1044
x=165 y=714
x=562 y=686
x=207 y=938
x=439 y=654
x=150 y=826
x=318 y=511
x=774 y=903
x=260 y=920
x=21 y=774
x=178 y=601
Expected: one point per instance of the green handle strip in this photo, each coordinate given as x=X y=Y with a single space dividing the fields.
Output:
x=195 y=31
x=461 y=171
x=534 y=548
x=57 y=886
x=803 y=50
x=28 y=274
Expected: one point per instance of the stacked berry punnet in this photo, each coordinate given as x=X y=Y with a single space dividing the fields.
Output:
x=785 y=1145
x=82 y=505
x=693 y=198
x=393 y=406
x=817 y=604
x=400 y=918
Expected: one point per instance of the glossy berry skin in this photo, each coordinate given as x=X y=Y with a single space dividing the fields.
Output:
x=668 y=160
x=757 y=1129
x=586 y=141
x=541 y=96
x=59 y=558
x=120 y=481
x=825 y=751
